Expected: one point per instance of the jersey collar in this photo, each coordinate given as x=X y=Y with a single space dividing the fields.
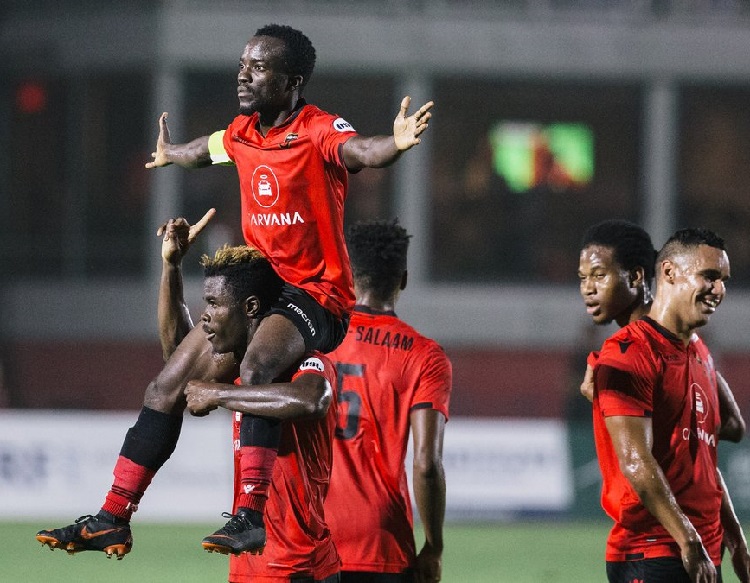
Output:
x=662 y=330
x=368 y=310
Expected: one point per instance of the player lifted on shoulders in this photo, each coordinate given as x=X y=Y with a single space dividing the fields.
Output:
x=292 y=159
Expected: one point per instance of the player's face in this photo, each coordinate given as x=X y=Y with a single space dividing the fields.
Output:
x=224 y=318
x=262 y=81
x=605 y=286
x=699 y=279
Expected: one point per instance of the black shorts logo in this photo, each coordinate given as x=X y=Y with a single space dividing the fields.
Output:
x=300 y=312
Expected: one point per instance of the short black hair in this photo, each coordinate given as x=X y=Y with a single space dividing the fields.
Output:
x=630 y=243
x=377 y=251
x=247 y=272
x=689 y=238
x=299 y=57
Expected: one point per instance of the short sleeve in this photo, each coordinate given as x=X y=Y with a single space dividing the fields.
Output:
x=329 y=133
x=624 y=380
x=318 y=364
x=435 y=382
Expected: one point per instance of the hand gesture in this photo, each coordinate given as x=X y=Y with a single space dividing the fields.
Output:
x=429 y=566
x=406 y=130
x=179 y=235
x=200 y=398
x=697 y=563
x=160 y=156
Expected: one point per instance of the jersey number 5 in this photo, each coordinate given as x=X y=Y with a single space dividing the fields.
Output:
x=351 y=398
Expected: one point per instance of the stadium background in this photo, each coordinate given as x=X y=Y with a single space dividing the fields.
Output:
x=660 y=89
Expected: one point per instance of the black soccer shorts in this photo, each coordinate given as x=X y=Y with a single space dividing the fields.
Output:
x=321 y=329
x=659 y=570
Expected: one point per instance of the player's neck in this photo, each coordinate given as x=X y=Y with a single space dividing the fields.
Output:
x=635 y=312
x=372 y=302
x=272 y=119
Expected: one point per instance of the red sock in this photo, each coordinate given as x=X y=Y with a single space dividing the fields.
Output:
x=131 y=481
x=256 y=470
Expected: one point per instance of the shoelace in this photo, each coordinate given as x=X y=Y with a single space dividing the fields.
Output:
x=237 y=523
x=71 y=530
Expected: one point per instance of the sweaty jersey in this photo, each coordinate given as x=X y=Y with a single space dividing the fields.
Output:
x=385 y=370
x=645 y=371
x=298 y=540
x=293 y=184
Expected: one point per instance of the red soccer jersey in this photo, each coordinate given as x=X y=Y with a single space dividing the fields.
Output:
x=385 y=370
x=644 y=370
x=298 y=539
x=293 y=184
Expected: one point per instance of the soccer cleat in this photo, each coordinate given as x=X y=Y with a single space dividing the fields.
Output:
x=90 y=533
x=239 y=535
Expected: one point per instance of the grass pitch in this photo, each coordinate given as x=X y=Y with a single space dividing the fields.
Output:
x=497 y=553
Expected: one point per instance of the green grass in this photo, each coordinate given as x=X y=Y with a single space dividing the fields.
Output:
x=518 y=553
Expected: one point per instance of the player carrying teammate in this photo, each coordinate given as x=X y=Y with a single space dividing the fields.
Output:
x=292 y=159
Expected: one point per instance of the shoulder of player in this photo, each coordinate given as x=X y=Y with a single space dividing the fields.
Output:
x=628 y=341
x=312 y=116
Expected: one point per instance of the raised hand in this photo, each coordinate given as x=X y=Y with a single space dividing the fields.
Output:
x=406 y=130
x=179 y=235
x=160 y=156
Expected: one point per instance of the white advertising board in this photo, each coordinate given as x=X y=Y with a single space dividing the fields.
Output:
x=59 y=465
x=502 y=467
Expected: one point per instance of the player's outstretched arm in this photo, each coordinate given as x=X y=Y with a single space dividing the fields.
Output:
x=308 y=395
x=174 y=319
x=193 y=154
x=732 y=423
x=734 y=538
x=429 y=490
x=632 y=439
x=379 y=151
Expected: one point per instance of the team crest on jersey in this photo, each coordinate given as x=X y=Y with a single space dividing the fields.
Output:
x=341 y=125
x=265 y=187
x=287 y=143
x=701 y=404
x=312 y=364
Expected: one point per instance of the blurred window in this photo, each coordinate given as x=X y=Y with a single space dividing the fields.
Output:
x=75 y=177
x=714 y=169
x=520 y=171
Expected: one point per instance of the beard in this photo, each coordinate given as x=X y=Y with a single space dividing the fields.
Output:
x=247 y=110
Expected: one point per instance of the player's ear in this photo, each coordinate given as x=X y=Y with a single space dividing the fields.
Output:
x=668 y=270
x=295 y=81
x=404 y=279
x=637 y=277
x=252 y=307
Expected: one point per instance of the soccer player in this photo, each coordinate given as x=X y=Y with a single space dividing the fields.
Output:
x=656 y=421
x=390 y=380
x=292 y=160
x=616 y=272
x=240 y=286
